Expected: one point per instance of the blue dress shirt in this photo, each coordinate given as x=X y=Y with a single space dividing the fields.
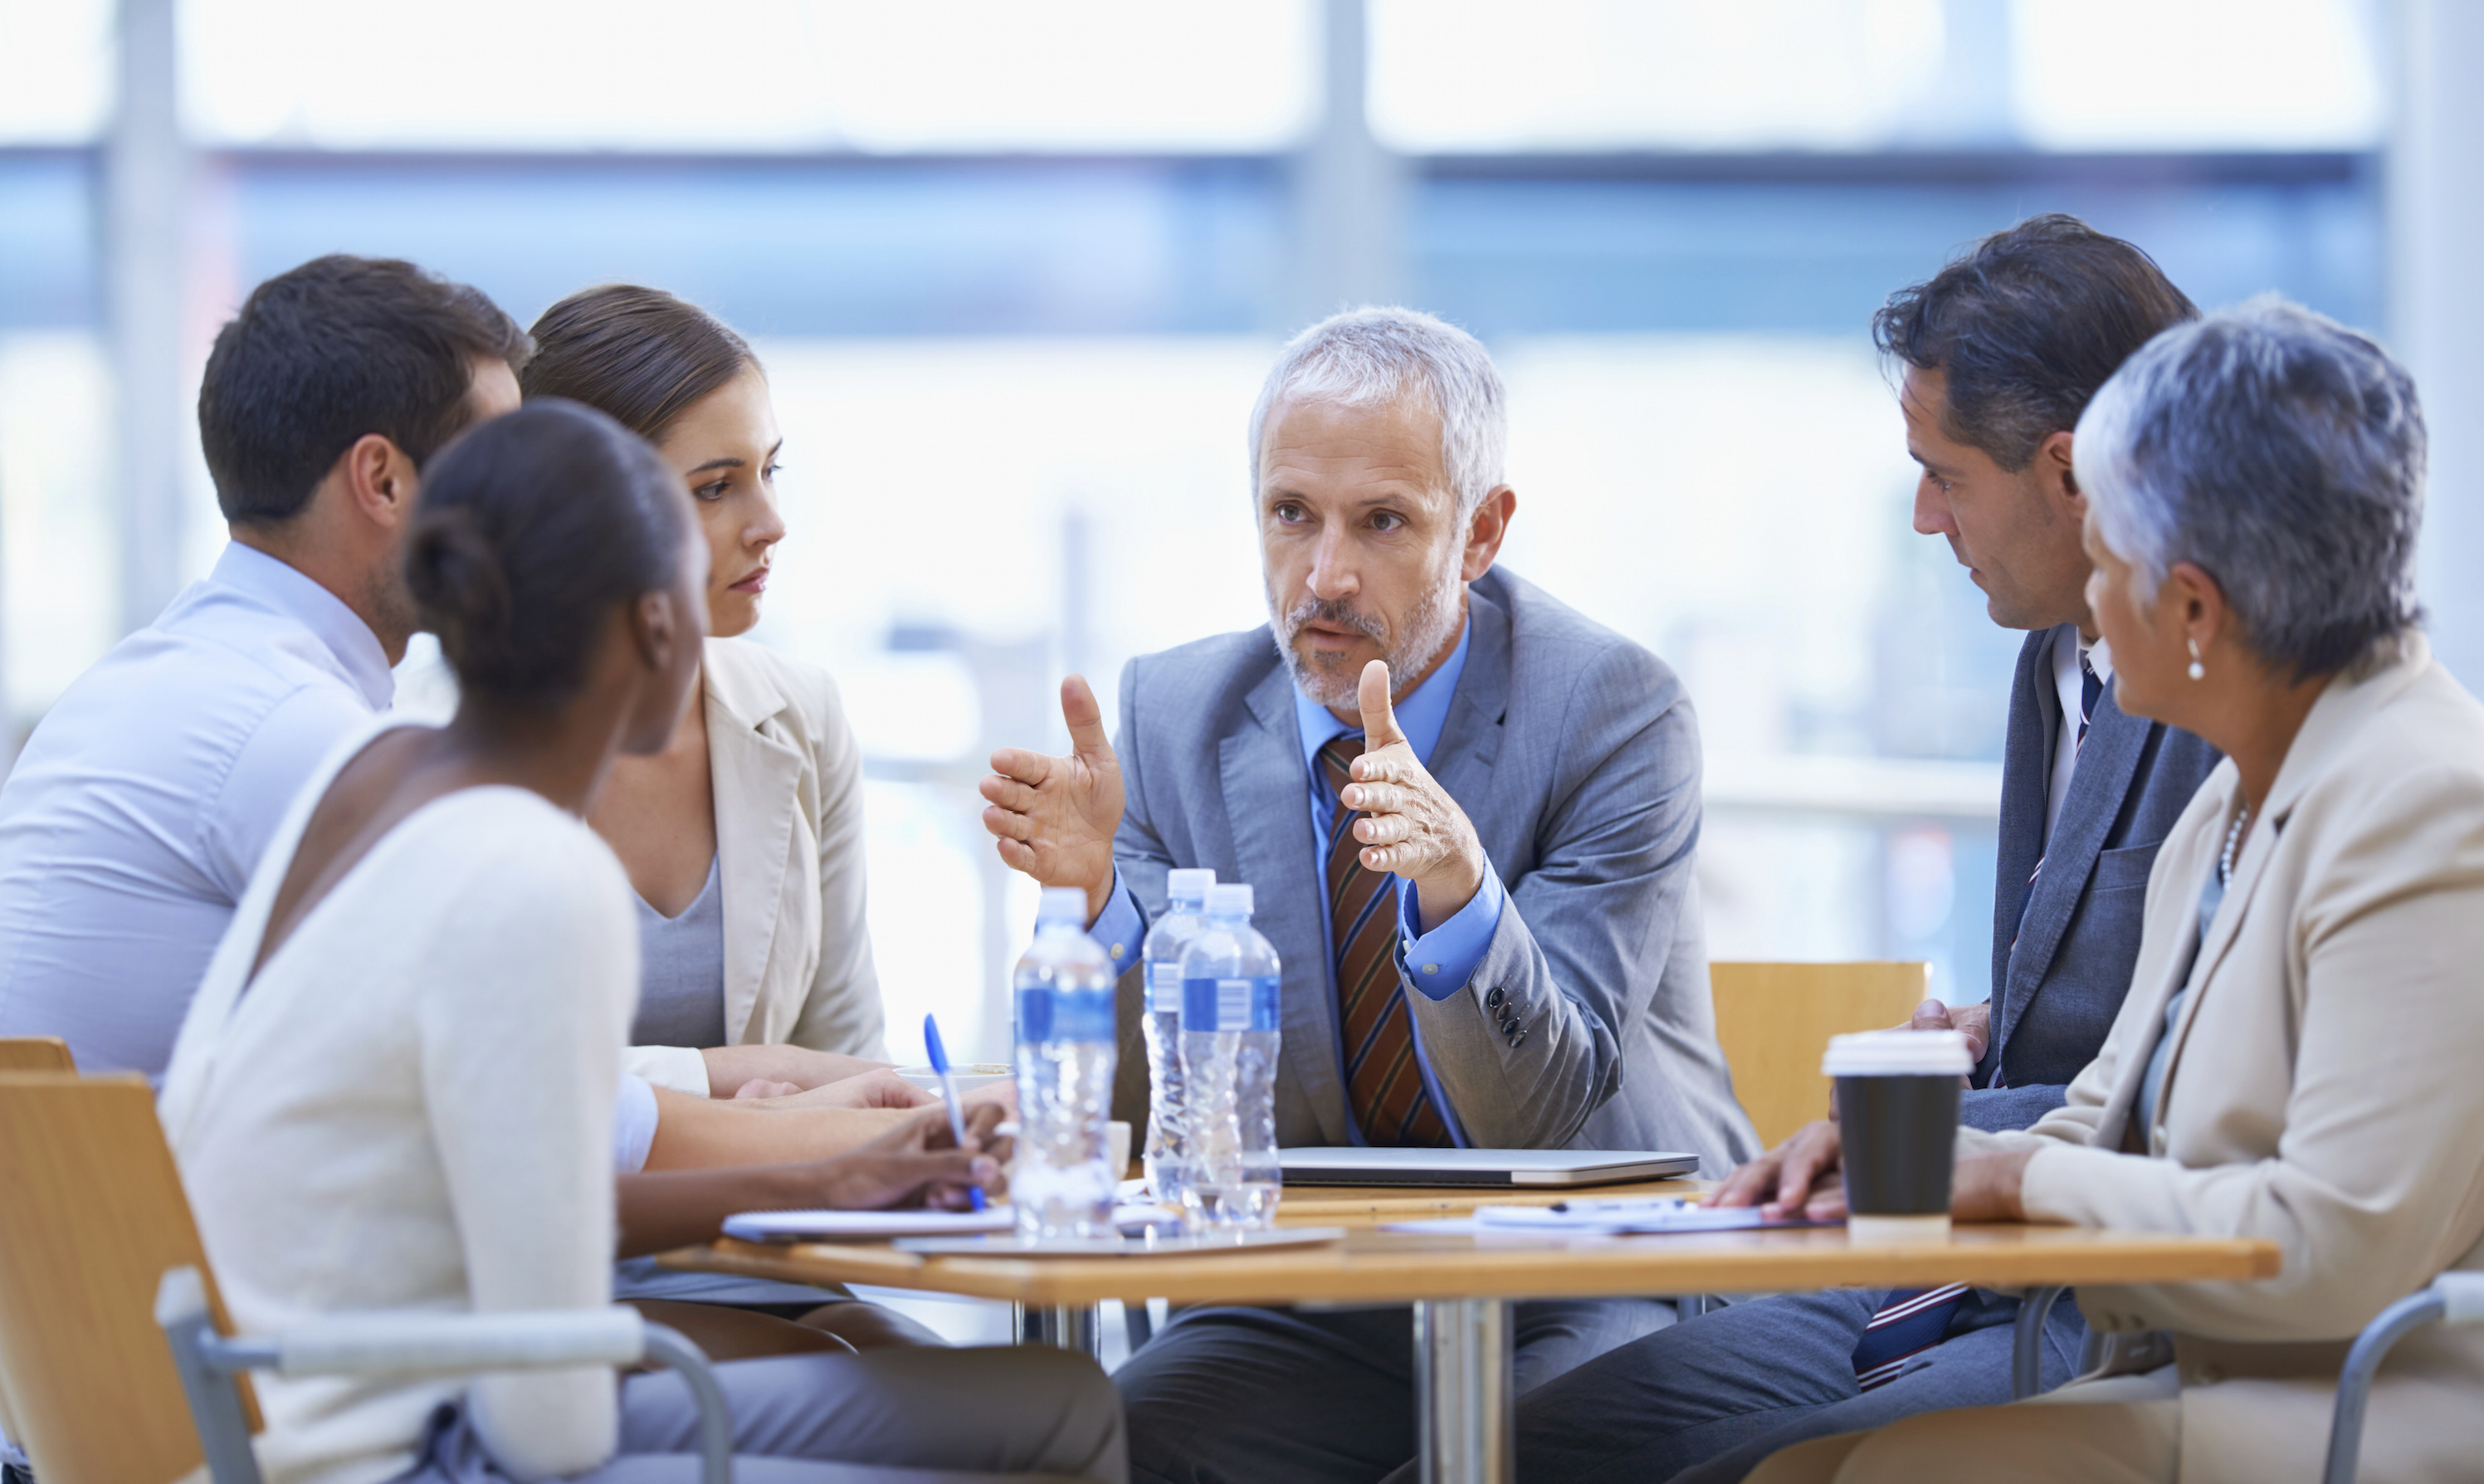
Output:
x=1441 y=963
x=142 y=804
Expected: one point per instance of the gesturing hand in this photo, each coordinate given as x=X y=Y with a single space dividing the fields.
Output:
x=1973 y=1021
x=917 y=1163
x=1054 y=818
x=1410 y=824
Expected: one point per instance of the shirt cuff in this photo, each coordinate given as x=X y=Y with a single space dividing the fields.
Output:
x=634 y=1126
x=680 y=1069
x=1121 y=928
x=1440 y=962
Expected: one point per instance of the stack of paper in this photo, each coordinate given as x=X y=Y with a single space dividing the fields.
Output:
x=1626 y=1215
x=881 y=1226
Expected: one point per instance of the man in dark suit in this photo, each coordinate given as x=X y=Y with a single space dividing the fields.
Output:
x=2001 y=351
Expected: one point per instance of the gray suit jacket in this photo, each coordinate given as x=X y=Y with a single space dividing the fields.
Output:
x=2063 y=951
x=1574 y=753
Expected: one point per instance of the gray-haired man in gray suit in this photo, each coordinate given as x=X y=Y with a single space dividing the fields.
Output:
x=2001 y=351
x=1471 y=816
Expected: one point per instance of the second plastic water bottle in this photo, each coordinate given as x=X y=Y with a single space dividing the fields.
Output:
x=1167 y=1147
x=1229 y=1053
x=1062 y=1184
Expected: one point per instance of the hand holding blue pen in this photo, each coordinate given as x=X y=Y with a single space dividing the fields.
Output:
x=949 y=1094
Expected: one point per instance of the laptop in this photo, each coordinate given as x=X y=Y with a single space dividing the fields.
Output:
x=1313 y=1165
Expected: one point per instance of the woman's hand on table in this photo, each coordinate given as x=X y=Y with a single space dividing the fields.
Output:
x=1804 y=1176
x=919 y=1162
x=732 y=1068
x=879 y=1089
x=1987 y=1183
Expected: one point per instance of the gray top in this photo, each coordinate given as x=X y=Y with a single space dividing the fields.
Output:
x=681 y=971
x=2151 y=1090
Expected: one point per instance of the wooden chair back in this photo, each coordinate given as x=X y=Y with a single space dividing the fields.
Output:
x=93 y=1215
x=1774 y=1020
x=35 y=1053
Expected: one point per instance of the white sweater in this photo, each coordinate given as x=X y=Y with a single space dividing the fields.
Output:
x=411 y=1108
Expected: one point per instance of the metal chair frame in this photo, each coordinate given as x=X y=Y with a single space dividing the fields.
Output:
x=413 y=1345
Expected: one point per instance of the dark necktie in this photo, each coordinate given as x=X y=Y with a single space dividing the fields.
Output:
x=1384 y=1085
x=1917 y=1320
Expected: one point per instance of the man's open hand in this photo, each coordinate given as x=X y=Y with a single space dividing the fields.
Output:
x=1410 y=824
x=1055 y=817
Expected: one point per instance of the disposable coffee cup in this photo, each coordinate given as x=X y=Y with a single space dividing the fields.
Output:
x=1897 y=1114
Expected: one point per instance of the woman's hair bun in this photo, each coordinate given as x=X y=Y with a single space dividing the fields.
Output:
x=530 y=529
x=460 y=590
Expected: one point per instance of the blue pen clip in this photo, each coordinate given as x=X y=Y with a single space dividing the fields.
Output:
x=949 y=1092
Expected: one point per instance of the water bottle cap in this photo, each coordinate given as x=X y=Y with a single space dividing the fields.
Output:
x=1189 y=885
x=1228 y=898
x=1061 y=904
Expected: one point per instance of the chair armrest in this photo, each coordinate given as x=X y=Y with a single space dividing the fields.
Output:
x=404 y=1344
x=2453 y=1298
x=432 y=1344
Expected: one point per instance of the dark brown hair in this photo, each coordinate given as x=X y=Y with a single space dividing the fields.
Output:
x=2027 y=324
x=328 y=352
x=639 y=356
x=527 y=532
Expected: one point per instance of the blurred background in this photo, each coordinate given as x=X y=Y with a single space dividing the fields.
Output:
x=1016 y=267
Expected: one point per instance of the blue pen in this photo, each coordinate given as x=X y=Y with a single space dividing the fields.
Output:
x=949 y=1092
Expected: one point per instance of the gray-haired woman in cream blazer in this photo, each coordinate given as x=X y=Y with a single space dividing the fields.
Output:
x=2298 y=1059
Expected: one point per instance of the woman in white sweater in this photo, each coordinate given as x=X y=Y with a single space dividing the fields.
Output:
x=396 y=1088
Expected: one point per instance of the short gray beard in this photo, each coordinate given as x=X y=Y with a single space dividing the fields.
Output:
x=1427 y=634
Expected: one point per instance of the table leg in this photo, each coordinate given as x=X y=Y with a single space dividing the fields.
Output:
x=2027 y=1344
x=1464 y=1425
x=1062 y=1327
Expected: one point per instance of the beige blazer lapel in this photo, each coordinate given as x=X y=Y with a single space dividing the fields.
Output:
x=2340 y=712
x=755 y=777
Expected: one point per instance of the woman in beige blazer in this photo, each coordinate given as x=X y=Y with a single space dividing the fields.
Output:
x=743 y=839
x=2301 y=1057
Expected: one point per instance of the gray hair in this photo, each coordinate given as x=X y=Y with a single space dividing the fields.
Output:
x=1371 y=357
x=2284 y=454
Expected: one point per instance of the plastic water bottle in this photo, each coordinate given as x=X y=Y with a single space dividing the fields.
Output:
x=1228 y=1055
x=1167 y=1149
x=1062 y=1184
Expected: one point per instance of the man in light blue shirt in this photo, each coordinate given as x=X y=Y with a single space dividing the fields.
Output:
x=142 y=804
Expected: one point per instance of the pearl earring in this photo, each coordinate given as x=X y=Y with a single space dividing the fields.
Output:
x=2198 y=671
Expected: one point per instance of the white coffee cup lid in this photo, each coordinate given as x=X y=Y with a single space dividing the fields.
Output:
x=1898 y=1054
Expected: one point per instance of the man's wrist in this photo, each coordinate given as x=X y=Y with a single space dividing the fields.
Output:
x=1445 y=893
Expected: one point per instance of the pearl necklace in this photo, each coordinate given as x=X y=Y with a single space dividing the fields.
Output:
x=2233 y=837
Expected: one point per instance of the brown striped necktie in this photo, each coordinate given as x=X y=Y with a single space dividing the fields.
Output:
x=1384 y=1086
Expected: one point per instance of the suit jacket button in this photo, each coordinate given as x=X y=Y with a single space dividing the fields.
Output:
x=1517 y=1041
x=1494 y=999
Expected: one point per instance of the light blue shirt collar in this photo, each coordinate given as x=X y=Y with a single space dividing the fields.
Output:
x=1422 y=716
x=290 y=591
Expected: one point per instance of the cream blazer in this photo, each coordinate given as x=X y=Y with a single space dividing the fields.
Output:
x=2326 y=1090
x=789 y=840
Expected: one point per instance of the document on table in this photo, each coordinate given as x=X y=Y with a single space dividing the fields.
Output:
x=880 y=1225
x=1619 y=1216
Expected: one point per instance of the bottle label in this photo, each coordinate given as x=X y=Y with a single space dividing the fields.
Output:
x=1229 y=1004
x=1164 y=988
x=1046 y=1015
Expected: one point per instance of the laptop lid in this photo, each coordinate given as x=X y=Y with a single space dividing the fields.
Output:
x=1321 y=1165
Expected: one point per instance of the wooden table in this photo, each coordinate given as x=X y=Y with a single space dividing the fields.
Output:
x=1461 y=1286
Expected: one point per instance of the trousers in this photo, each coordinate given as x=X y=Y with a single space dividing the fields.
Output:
x=1705 y=1401
x=1248 y=1395
x=889 y=1417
